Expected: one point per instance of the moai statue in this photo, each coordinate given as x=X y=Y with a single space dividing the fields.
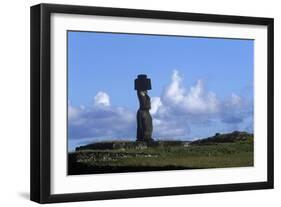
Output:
x=144 y=120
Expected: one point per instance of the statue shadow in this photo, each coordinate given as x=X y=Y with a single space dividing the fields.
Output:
x=24 y=195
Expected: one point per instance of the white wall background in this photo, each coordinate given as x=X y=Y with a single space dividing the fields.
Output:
x=14 y=101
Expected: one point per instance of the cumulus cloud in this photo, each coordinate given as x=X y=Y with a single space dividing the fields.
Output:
x=73 y=112
x=102 y=99
x=100 y=121
x=236 y=110
x=179 y=112
x=156 y=103
x=170 y=128
x=196 y=100
x=174 y=93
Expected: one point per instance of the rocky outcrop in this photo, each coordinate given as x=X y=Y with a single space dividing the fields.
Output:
x=224 y=138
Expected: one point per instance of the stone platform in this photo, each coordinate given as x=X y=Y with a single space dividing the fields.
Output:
x=111 y=145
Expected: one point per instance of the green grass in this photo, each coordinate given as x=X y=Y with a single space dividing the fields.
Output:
x=219 y=155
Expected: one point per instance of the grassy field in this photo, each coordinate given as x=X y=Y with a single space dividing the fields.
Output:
x=200 y=155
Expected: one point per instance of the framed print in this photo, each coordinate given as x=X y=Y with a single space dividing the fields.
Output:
x=133 y=103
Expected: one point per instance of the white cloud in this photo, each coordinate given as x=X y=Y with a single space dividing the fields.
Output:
x=170 y=128
x=235 y=101
x=195 y=100
x=156 y=103
x=100 y=121
x=180 y=110
x=73 y=112
x=200 y=101
x=102 y=99
x=174 y=93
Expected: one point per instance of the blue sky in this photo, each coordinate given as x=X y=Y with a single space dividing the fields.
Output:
x=204 y=84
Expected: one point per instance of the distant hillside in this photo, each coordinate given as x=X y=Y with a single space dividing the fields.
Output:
x=225 y=138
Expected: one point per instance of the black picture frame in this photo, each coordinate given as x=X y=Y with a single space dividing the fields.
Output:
x=41 y=97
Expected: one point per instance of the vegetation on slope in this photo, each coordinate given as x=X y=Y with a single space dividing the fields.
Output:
x=222 y=150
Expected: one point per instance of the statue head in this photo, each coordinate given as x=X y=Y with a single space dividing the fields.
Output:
x=142 y=83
